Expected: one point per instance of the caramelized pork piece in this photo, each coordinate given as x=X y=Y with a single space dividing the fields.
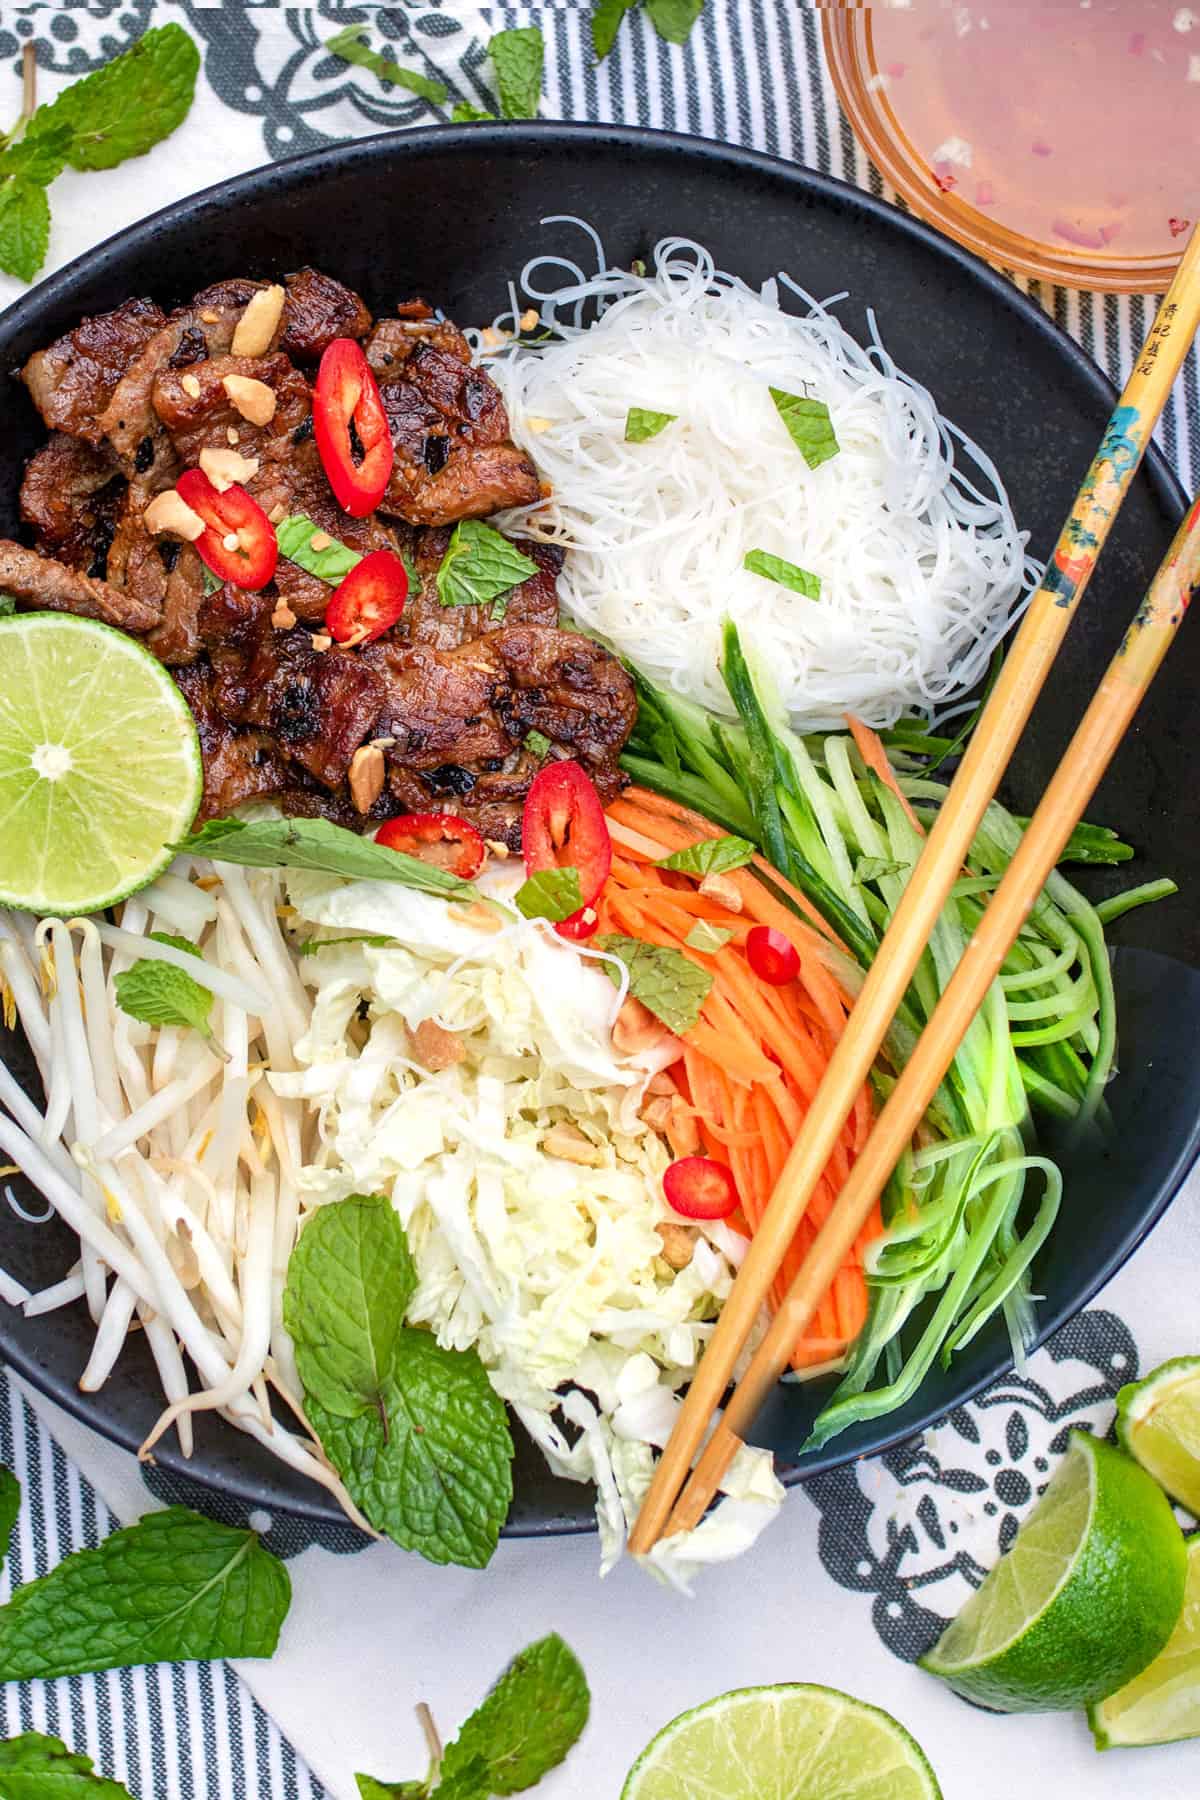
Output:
x=317 y=310
x=42 y=582
x=72 y=380
x=319 y=705
x=454 y=456
x=238 y=765
x=199 y=413
x=571 y=689
x=71 y=495
x=176 y=641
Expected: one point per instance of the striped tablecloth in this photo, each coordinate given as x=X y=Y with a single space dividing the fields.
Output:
x=849 y=1584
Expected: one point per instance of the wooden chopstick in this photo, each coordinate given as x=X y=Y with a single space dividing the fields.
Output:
x=1091 y=750
x=987 y=756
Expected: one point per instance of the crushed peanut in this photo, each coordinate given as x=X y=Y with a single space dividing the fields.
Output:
x=724 y=891
x=683 y=1131
x=636 y=1029
x=678 y=1244
x=366 y=777
x=320 y=540
x=662 y=1083
x=256 y=327
x=568 y=1143
x=231 y=435
x=283 y=618
x=656 y=1111
x=529 y=318
x=322 y=641
x=436 y=1048
x=170 y=512
x=224 y=468
x=278 y=513
x=209 y=317
x=538 y=425
x=190 y=386
x=497 y=849
x=253 y=399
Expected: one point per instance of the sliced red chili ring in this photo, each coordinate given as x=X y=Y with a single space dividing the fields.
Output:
x=231 y=514
x=347 y=393
x=581 y=925
x=563 y=827
x=772 y=955
x=369 y=599
x=443 y=839
x=700 y=1188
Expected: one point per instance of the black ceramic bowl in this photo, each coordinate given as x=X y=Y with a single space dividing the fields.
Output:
x=452 y=215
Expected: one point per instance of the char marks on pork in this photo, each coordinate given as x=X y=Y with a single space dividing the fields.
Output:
x=449 y=693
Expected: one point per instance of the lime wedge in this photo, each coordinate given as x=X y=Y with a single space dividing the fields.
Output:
x=99 y=764
x=795 y=1742
x=1158 y=1422
x=1087 y=1596
x=1162 y=1704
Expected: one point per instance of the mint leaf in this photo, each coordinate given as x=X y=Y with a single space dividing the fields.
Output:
x=211 y=582
x=24 y=226
x=642 y=424
x=126 y=107
x=429 y=1461
x=470 y=1782
x=317 y=844
x=664 y=980
x=294 y=536
x=706 y=937
x=370 y=1789
x=673 y=19
x=42 y=153
x=537 y=743
x=518 y=57
x=550 y=894
x=158 y=993
x=311 y=946
x=529 y=1721
x=465 y=113
x=787 y=574
x=177 y=943
x=417 y=1433
x=809 y=426
x=353 y=46
x=479 y=564
x=712 y=856
x=606 y=22
x=349 y=1281
x=10 y=1506
x=35 y=1767
x=175 y=1587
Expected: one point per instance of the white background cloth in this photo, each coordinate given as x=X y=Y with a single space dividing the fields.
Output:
x=827 y=1590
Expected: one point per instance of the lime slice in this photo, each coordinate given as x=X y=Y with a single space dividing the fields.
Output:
x=99 y=764
x=1162 y=1704
x=796 y=1742
x=1087 y=1596
x=1158 y=1422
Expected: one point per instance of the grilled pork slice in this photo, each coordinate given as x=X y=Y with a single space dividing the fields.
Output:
x=71 y=495
x=72 y=380
x=317 y=310
x=43 y=582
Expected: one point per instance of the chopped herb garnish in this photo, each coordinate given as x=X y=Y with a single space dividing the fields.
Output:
x=706 y=937
x=787 y=574
x=157 y=993
x=711 y=856
x=665 y=981
x=332 y=563
x=479 y=565
x=642 y=424
x=550 y=894
x=809 y=425
x=537 y=743
x=318 y=844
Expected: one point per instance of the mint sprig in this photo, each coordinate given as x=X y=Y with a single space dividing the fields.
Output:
x=480 y=564
x=157 y=993
x=318 y=844
x=352 y=45
x=10 y=1507
x=672 y=19
x=525 y=1727
x=416 y=1432
x=518 y=58
x=120 y=110
x=36 y=1767
x=175 y=1587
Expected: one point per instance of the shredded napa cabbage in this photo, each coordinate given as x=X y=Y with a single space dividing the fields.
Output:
x=549 y=1263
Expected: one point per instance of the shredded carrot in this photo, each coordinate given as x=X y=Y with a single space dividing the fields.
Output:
x=870 y=748
x=755 y=1057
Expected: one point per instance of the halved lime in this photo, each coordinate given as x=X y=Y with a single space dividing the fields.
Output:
x=1087 y=1596
x=1162 y=1704
x=795 y=1742
x=100 y=765
x=1158 y=1422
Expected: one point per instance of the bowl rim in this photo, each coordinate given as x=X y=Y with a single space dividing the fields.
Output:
x=540 y=137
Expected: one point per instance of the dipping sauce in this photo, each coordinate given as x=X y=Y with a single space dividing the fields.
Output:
x=1075 y=123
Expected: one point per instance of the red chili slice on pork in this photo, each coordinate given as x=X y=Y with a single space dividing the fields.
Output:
x=563 y=827
x=347 y=395
x=443 y=839
x=239 y=542
x=369 y=600
x=700 y=1188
